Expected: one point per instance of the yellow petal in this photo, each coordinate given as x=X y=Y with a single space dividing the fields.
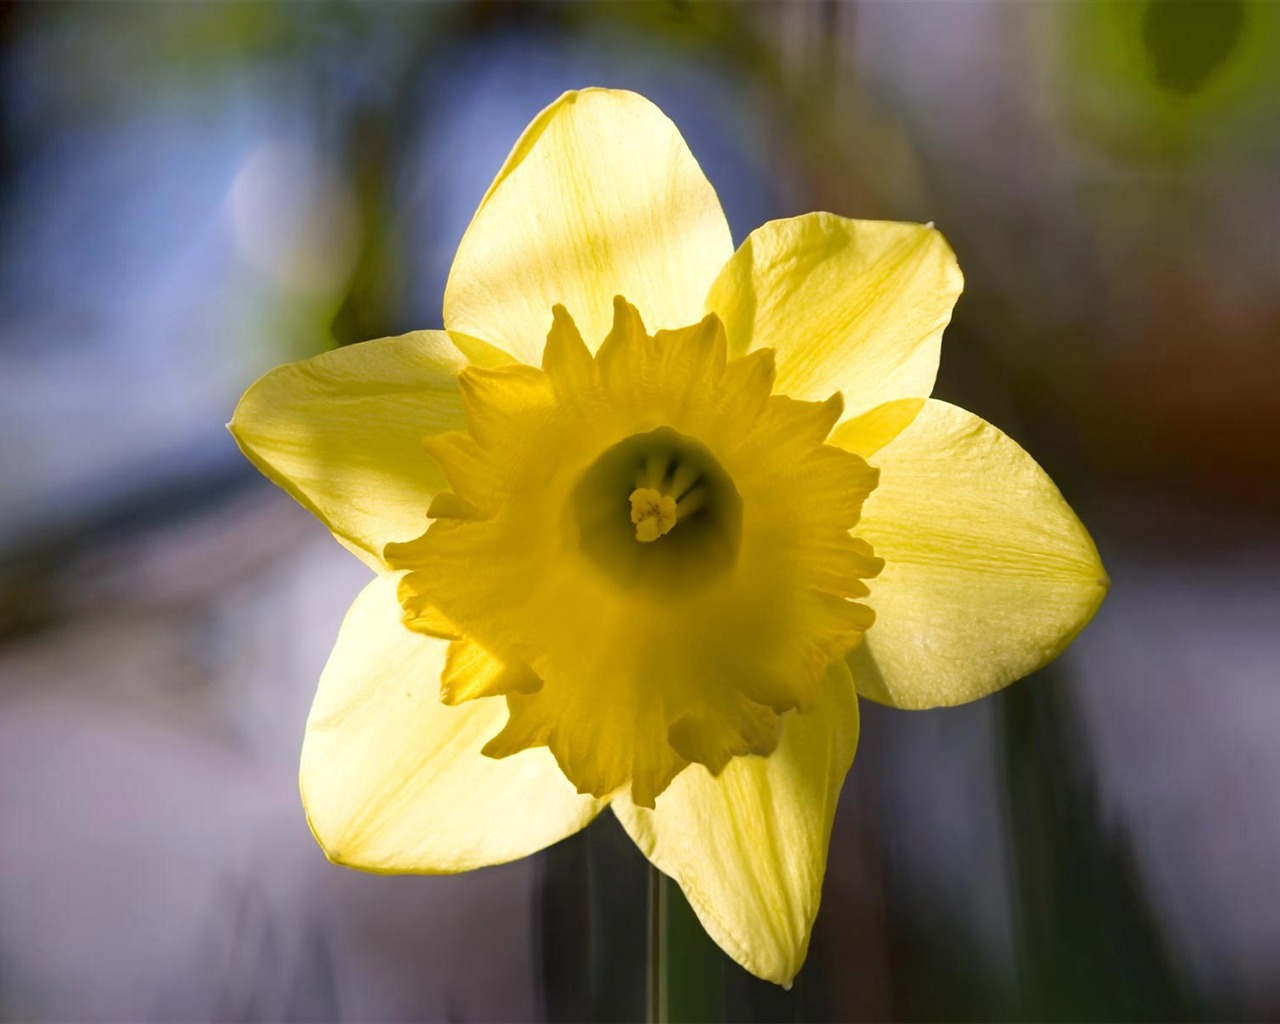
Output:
x=852 y=306
x=394 y=781
x=988 y=573
x=749 y=848
x=600 y=197
x=342 y=433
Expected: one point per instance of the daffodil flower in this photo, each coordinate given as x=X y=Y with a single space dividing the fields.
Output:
x=646 y=518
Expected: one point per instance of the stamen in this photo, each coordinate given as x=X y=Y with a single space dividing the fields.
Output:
x=693 y=500
x=676 y=490
x=686 y=476
x=652 y=512
x=655 y=471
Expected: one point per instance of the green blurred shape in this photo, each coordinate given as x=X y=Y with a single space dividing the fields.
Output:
x=1168 y=80
x=593 y=945
x=591 y=940
x=689 y=982
x=1091 y=944
x=1188 y=40
x=702 y=985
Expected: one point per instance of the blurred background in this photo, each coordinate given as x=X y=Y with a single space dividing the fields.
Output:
x=193 y=193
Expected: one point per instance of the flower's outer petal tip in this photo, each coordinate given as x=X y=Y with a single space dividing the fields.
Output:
x=989 y=574
x=858 y=306
x=332 y=853
x=330 y=844
x=749 y=849
x=946 y=252
x=341 y=433
x=1101 y=588
x=950 y=253
x=600 y=195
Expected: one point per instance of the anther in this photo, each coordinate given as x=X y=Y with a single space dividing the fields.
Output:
x=652 y=512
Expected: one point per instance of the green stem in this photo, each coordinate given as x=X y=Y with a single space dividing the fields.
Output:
x=659 y=1010
x=686 y=970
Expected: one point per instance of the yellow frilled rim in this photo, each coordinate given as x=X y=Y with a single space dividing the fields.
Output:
x=652 y=546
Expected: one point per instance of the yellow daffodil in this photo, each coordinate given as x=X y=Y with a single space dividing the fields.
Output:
x=646 y=518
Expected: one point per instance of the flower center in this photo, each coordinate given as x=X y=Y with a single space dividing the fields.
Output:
x=659 y=485
x=645 y=552
x=653 y=512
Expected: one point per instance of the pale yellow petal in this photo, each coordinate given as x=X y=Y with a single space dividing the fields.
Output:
x=342 y=433
x=394 y=781
x=848 y=305
x=600 y=197
x=749 y=848
x=988 y=573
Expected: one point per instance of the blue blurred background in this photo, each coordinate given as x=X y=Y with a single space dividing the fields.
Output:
x=193 y=193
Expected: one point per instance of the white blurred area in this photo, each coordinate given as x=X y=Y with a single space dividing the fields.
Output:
x=156 y=862
x=165 y=263
x=1177 y=684
x=293 y=218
